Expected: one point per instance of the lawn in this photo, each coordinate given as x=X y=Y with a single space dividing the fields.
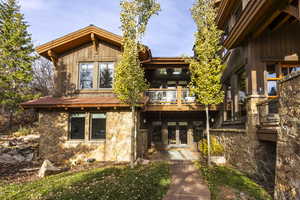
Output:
x=220 y=176
x=142 y=182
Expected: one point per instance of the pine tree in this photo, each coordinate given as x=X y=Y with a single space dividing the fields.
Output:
x=129 y=81
x=16 y=57
x=206 y=67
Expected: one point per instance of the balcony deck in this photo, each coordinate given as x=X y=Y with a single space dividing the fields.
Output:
x=177 y=99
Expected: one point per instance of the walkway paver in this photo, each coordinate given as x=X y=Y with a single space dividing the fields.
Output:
x=186 y=183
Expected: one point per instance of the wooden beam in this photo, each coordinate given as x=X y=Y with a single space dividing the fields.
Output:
x=293 y=11
x=53 y=56
x=95 y=41
x=283 y=21
x=266 y=24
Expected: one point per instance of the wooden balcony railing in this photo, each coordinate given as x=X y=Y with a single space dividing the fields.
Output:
x=176 y=96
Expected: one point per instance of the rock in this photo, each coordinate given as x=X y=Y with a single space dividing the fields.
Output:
x=29 y=157
x=48 y=168
x=31 y=138
x=141 y=161
x=218 y=160
x=19 y=158
x=5 y=144
x=7 y=159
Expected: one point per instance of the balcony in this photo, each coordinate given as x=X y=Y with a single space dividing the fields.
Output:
x=177 y=99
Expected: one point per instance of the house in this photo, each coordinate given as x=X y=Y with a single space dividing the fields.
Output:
x=262 y=49
x=85 y=119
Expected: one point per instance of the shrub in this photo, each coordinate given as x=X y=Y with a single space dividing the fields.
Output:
x=217 y=149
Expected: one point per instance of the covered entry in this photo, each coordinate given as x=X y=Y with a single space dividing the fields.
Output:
x=174 y=129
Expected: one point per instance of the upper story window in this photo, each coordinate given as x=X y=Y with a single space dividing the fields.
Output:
x=96 y=76
x=106 y=70
x=86 y=75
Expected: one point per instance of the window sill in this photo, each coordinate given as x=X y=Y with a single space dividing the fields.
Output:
x=83 y=91
x=100 y=141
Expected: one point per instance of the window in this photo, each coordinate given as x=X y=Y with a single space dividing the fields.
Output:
x=288 y=69
x=228 y=103
x=98 y=125
x=86 y=75
x=106 y=74
x=272 y=78
x=77 y=126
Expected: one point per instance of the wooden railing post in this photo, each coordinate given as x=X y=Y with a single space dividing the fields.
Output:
x=179 y=95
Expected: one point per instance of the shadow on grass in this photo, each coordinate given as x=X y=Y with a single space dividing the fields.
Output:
x=225 y=176
x=143 y=182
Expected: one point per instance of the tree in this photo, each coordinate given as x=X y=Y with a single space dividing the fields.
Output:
x=206 y=66
x=42 y=82
x=16 y=57
x=129 y=81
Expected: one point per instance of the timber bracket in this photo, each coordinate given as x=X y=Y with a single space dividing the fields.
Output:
x=53 y=57
x=293 y=10
x=95 y=41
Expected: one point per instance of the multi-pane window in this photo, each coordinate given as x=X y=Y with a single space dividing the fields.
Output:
x=106 y=74
x=98 y=126
x=86 y=75
x=77 y=126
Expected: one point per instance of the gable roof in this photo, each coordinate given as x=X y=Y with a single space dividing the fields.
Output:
x=82 y=36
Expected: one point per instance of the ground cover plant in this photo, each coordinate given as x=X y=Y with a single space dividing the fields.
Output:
x=142 y=182
x=222 y=176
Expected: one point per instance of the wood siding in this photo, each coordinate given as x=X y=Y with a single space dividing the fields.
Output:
x=68 y=66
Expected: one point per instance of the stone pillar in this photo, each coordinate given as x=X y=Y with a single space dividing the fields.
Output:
x=164 y=133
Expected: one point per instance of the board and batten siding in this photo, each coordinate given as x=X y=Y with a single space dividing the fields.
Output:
x=68 y=64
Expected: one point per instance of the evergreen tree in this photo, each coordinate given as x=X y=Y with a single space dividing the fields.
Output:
x=206 y=67
x=16 y=57
x=129 y=81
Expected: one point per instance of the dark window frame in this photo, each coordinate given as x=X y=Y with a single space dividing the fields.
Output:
x=91 y=126
x=70 y=126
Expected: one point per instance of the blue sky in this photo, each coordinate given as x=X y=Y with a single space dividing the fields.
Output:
x=169 y=34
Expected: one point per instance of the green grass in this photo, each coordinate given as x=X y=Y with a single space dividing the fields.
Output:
x=225 y=176
x=149 y=182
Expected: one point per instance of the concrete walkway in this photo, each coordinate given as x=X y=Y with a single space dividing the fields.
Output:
x=186 y=183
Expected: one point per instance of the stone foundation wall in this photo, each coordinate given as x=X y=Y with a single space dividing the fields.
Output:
x=288 y=144
x=55 y=146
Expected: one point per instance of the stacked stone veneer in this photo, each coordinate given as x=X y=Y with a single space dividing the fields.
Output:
x=288 y=145
x=55 y=146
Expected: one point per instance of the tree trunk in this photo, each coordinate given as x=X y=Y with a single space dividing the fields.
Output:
x=208 y=135
x=10 y=122
x=133 y=136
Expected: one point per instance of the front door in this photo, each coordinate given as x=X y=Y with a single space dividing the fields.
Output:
x=177 y=133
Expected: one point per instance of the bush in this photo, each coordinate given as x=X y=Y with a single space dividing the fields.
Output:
x=23 y=131
x=216 y=149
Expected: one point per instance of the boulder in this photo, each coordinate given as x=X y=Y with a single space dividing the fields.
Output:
x=218 y=160
x=141 y=161
x=48 y=168
x=7 y=159
x=31 y=138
